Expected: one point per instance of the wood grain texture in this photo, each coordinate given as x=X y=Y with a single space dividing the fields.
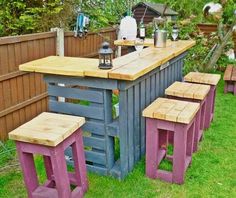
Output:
x=172 y=110
x=48 y=129
x=147 y=42
x=233 y=78
x=129 y=67
x=204 y=78
x=228 y=72
x=188 y=90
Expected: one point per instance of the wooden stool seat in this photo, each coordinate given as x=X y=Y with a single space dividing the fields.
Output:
x=47 y=129
x=193 y=93
x=165 y=116
x=188 y=90
x=172 y=110
x=49 y=135
x=207 y=79
x=230 y=79
x=202 y=78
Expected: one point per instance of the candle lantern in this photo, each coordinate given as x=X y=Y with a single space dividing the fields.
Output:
x=105 y=56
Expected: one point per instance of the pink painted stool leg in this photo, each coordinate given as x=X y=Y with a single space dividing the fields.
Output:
x=28 y=168
x=60 y=172
x=226 y=87
x=79 y=160
x=48 y=167
x=213 y=103
x=235 y=88
x=208 y=110
x=152 y=146
x=179 y=156
x=197 y=132
x=190 y=139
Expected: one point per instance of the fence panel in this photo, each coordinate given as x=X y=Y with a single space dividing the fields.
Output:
x=22 y=95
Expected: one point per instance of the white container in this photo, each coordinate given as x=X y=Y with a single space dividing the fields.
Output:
x=128 y=28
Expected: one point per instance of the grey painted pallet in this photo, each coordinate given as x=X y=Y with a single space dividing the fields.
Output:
x=100 y=129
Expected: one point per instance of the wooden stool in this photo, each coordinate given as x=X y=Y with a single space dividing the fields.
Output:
x=230 y=79
x=208 y=79
x=192 y=93
x=50 y=134
x=162 y=116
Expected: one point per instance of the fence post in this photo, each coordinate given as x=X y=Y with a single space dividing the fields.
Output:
x=60 y=41
x=59 y=50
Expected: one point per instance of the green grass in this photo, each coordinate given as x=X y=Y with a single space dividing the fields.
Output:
x=212 y=173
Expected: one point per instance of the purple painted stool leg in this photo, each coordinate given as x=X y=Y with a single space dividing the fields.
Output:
x=213 y=103
x=60 y=172
x=197 y=132
x=226 y=87
x=152 y=146
x=179 y=156
x=79 y=160
x=210 y=101
x=190 y=140
x=235 y=88
x=28 y=168
x=48 y=167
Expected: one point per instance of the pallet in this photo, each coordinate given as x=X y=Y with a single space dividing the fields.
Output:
x=230 y=79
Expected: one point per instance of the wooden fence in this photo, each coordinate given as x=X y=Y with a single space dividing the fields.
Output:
x=23 y=95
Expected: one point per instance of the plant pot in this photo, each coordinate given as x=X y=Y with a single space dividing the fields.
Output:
x=206 y=28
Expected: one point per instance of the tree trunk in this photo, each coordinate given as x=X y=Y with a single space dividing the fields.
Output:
x=218 y=51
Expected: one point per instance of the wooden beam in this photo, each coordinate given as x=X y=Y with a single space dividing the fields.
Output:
x=105 y=30
x=23 y=104
x=27 y=37
x=12 y=75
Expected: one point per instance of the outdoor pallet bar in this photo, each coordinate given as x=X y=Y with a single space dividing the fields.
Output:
x=140 y=79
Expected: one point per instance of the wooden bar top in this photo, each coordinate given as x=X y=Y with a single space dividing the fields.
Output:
x=147 y=42
x=128 y=67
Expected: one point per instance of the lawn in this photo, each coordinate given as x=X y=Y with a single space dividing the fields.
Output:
x=212 y=173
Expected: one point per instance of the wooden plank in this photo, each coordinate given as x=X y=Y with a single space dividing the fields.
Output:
x=142 y=120
x=94 y=142
x=173 y=114
x=3 y=60
x=109 y=141
x=97 y=83
x=234 y=74
x=76 y=109
x=148 y=91
x=172 y=110
x=131 y=131
x=123 y=125
x=153 y=87
x=22 y=105
x=95 y=157
x=204 y=78
x=187 y=115
x=157 y=84
x=148 y=111
x=129 y=67
x=76 y=93
x=57 y=128
x=15 y=74
x=137 y=110
x=23 y=38
x=94 y=127
x=228 y=72
x=147 y=42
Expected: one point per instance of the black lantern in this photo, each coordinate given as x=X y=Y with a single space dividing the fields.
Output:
x=105 y=56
